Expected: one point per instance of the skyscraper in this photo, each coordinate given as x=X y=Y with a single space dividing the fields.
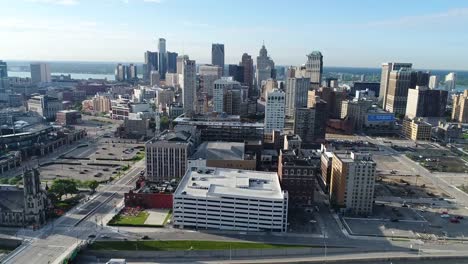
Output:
x=247 y=63
x=120 y=72
x=217 y=55
x=151 y=64
x=265 y=67
x=433 y=82
x=397 y=89
x=131 y=72
x=450 y=80
x=460 y=107
x=172 y=62
x=423 y=102
x=40 y=73
x=310 y=123
x=211 y=70
x=237 y=72
x=385 y=77
x=162 y=58
x=180 y=63
x=188 y=84
x=296 y=94
x=274 y=111
x=314 y=68
x=227 y=96
x=4 y=84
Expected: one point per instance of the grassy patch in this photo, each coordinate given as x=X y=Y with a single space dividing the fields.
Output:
x=139 y=156
x=129 y=220
x=184 y=245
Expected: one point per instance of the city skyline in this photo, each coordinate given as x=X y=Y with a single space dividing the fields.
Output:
x=379 y=32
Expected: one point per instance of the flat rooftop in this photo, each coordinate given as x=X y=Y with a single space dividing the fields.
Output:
x=205 y=182
x=220 y=151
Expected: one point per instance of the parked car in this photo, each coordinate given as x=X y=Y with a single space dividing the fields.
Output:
x=454 y=220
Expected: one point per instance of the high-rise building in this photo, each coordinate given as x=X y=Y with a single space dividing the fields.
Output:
x=4 y=83
x=46 y=106
x=296 y=94
x=274 y=111
x=385 y=77
x=460 y=107
x=151 y=64
x=207 y=83
x=120 y=72
x=180 y=62
x=210 y=70
x=265 y=67
x=172 y=62
x=188 y=84
x=397 y=90
x=433 y=82
x=227 y=97
x=167 y=154
x=40 y=73
x=162 y=67
x=314 y=68
x=310 y=123
x=217 y=55
x=247 y=63
x=132 y=73
x=352 y=182
x=236 y=72
x=423 y=102
x=154 y=78
x=450 y=81
x=164 y=97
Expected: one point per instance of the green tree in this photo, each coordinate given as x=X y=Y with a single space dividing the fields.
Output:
x=93 y=185
x=164 y=123
x=63 y=187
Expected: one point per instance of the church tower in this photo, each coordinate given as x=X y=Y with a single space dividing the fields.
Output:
x=35 y=200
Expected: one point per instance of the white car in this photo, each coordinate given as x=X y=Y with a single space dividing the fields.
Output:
x=445 y=215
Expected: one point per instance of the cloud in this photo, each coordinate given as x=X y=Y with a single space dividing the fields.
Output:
x=55 y=2
x=153 y=1
x=451 y=15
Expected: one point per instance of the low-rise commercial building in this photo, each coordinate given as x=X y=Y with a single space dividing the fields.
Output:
x=68 y=117
x=228 y=199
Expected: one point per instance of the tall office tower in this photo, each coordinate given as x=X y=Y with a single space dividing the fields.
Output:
x=151 y=64
x=450 y=81
x=265 y=67
x=162 y=67
x=172 y=62
x=423 y=102
x=40 y=73
x=352 y=182
x=398 y=84
x=226 y=89
x=217 y=56
x=180 y=62
x=460 y=107
x=164 y=97
x=237 y=72
x=188 y=84
x=274 y=111
x=385 y=77
x=166 y=155
x=247 y=63
x=331 y=82
x=132 y=72
x=120 y=72
x=296 y=94
x=154 y=78
x=310 y=123
x=314 y=68
x=210 y=70
x=433 y=82
x=4 y=83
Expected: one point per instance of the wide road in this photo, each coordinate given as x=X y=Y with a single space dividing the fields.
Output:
x=57 y=239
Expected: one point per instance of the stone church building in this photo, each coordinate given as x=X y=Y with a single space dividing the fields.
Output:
x=24 y=206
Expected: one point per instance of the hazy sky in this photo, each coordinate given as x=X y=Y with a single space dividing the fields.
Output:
x=432 y=34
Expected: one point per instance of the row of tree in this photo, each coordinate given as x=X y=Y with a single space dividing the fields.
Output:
x=64 y=187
